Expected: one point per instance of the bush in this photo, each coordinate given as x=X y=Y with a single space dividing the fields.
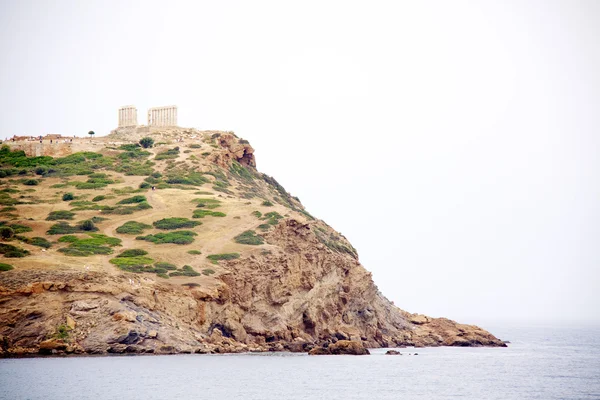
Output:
x=133 y=200
x=96 y=244
x=249 y=237
x=138 y=261
x=267 y=203
x=98 y=198
x=11 y=251
x=203 y=213
x=133 y=228
x=168 y=154
x=5 y=267
x=146 y=142
x=62 y=228
x=133 y=253
x=215 y=258
x=120 y=210
x=207 y=203
x=208 y=271
x=35 y=241
x=257 y=214
x=272 y=217
x=61 y=214
x=6 y=232
x=31 y=182
x=186 y=270
x=68 y=196
x=177 y=237
x=194 y=252
x=264 y=227
x=166 y=265
x=175 y=223
x=87 y=226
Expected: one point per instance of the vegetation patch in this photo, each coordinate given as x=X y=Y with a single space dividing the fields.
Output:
x=175 y=223
x=5 y=267
x=83 y=247
x=215 y=258
x=249 y=237
x=166 y=266
x=133 y=228
x=207 y=203
x=267 y=203
x=133 y=200
x=61 y=214
x=177 y=237
x=125 y=210
x=194 y=252
x=99 y=198
x=204 y=213
x=35 y=241
x=11 y=251
x=208 y=271
x=186 y=270
x=62 y=228
x=272 y=217
x=257 y=214
x=168 y=154
x=17 y=228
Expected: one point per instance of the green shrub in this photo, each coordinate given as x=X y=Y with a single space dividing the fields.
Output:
x=31 y=182
x=8 y=209
x=195 y=146
x=6 y=232
x=257 y=214
x=208 y=271
x=133 y=253
x=203 y=213
x=96 y=244
x=11 y=251
x=35 y=241
x=133 y=200
x=272 y=217
x=186 y=270
x=133 y=228
x=99 y=198
x=207 y=203
x=132 y=262
x=175 y=223
x=61 y=214
x=194 y=252
x=267 y=203
x=168 y=154
x=249 y=237
x=62 y=228
x=17 y=228
x=165 y=265
x=87 y=226
x=177 y=237
x=68 y=196
x=5 y=267
x=122 y=210
x=146 y=142
x=264 y=227
x=215 y=258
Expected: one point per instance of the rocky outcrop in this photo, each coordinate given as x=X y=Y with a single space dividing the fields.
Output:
x=341 y=347
x=301 y=295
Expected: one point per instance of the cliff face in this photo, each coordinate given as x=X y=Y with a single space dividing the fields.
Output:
x=298 y=285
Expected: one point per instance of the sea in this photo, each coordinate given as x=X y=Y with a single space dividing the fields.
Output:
x=539 y=363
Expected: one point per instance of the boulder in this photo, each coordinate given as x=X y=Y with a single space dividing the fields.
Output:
x=348 y=347
x=393 y=353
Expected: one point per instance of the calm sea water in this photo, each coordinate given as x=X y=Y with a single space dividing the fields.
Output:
x=540 y=363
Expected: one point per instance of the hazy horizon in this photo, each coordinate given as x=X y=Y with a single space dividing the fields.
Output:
x=455 y=145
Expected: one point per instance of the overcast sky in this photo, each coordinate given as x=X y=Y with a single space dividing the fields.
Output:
x=455 y=144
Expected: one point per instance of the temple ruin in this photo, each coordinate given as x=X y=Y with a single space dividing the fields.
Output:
x=127 y=116
x=157 y=117
x=162 y=116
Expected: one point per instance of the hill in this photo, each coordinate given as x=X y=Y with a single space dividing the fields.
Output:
x=218 y=258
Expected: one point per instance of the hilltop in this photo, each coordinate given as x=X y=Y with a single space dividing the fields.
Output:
x=219 y=258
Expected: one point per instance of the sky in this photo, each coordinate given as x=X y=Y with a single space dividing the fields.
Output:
x=455 y=144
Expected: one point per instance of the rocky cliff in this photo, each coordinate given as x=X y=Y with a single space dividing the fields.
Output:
x=256 y=272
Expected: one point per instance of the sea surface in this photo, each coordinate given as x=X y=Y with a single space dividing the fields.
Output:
x=539 y=363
